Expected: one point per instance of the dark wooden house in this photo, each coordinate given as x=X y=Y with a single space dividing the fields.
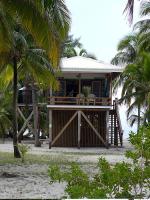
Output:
x=81 y=112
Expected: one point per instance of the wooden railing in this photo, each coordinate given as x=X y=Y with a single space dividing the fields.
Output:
x=79 y=101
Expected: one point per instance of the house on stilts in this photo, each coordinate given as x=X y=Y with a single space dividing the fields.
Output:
x=82 y=112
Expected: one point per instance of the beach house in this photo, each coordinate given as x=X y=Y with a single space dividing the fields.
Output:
x=82 y=112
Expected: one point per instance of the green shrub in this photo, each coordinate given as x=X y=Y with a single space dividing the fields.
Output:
x=23 y=148
x=123 y=180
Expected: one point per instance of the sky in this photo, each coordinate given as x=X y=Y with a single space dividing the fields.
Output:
x=100 y=24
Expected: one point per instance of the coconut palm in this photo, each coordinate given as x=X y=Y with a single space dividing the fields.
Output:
x=70 y=46
x=5 y=105
x=73 y=47
x=52 y=17
x=143 y=26
x=129 y=10
x=128 y=50
x=132 y=78
x=49 y=32
x=32 y=63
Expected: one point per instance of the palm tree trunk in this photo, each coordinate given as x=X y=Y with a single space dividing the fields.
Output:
x=35 y=116
x=15 y=123
x=139 y=116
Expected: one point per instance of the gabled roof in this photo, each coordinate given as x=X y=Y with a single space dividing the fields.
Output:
x=82 y=64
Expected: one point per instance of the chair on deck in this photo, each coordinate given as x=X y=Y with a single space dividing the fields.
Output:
x=80 y=99
x=91 y=99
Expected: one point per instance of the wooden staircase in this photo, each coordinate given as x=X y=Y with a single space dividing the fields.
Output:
x=115 y=128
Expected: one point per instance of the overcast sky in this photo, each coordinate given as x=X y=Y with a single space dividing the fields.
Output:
x=100 y=24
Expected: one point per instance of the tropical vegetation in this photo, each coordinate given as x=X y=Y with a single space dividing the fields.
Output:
x=73 y=47
x=134 y=55
x=123 y=180
x=33 y=47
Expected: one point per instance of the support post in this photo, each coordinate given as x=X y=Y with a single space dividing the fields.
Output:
x=50 y=129
x=35 y=116
x=79 y=128
x=112 y=127
x=107 y=128
x=79 y=85
x=50 y=121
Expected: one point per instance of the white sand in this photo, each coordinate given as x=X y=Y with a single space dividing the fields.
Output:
x=32 y=180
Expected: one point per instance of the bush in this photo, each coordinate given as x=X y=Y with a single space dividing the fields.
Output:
x=23 y=150
x=123 y=180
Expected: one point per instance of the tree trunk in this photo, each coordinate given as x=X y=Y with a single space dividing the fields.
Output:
x=15 y=99
x=139 y=116
x=35 y=116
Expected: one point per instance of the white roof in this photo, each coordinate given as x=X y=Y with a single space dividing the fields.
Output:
x=89 y=65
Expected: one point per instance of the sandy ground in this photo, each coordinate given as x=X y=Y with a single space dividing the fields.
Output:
x=32 y=180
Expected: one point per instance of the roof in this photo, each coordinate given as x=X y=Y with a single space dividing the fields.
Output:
x=89 y=65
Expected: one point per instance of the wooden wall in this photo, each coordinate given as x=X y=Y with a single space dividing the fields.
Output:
x=69 y=137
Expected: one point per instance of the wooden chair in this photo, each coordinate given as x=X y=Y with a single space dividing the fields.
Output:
x=80 y=99
x=91 y=99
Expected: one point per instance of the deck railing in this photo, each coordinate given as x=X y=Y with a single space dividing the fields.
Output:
x=79 y=101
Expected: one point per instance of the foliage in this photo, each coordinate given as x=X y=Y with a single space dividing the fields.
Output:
x=23 y=148
x=5 y=112
x=5 y=122
x=141 y=141
x=123 y=180
x=18 y=20
x=86 y=91
x=73 y=47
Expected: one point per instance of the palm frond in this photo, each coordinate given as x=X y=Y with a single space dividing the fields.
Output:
x=43 y=31
x=129 y=10
x=145 y=8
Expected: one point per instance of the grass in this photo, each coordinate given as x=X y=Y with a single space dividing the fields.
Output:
x=8 y=158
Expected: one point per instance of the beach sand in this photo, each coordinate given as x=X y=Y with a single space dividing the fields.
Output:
x=32 y=182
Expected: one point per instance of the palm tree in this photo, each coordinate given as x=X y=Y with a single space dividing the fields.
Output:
x=34 y=64
x=49 y=32
x=5 y=102
x=73 y=47
x=128 y=50
x=70 y=46
x=129 y=10
x=143 y=26
x=130 y=55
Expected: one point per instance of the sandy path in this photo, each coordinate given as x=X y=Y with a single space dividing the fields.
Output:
x=83 y=155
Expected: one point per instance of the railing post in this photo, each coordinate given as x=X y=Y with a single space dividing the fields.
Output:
x=107 y=128
x=79 y=128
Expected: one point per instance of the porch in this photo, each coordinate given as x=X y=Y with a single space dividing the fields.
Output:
x=80 y=100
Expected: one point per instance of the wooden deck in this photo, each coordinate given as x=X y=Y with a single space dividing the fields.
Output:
x=78 y=107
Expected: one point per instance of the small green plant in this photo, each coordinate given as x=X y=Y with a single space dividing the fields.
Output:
x=86 y=90
x=123 y=180
x=23 y=148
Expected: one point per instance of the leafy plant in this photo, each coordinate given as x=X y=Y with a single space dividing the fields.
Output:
x=123 y=180
x=23 y=148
